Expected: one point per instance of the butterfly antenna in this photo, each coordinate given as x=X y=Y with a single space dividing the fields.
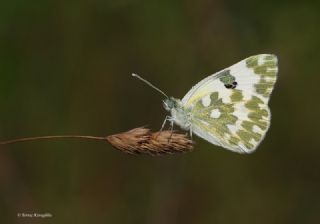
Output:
x=149 y=84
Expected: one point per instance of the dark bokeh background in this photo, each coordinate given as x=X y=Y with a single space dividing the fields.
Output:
x=65 y=69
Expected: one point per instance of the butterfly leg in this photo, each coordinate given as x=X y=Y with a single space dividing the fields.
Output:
x=190 y=132
x=171 y=129
x=164 y=122
x=167 y=118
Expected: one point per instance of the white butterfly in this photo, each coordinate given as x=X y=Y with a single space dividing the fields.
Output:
x=230 y=107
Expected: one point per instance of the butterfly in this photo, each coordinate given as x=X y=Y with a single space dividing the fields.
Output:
x=229 y=108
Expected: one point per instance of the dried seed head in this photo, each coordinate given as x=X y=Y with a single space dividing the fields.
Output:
x=144 y=141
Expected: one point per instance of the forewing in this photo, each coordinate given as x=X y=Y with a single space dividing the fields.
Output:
x=255 y=75
x=236 y=117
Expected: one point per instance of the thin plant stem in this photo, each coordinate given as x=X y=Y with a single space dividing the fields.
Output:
x=51 y=137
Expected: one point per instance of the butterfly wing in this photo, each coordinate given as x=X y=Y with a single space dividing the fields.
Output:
x=230 y=107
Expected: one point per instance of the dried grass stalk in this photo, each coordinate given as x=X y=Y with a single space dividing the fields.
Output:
x=135 y=141
x=144 y=141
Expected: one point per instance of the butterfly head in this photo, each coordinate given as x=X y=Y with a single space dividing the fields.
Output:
x=170 y=103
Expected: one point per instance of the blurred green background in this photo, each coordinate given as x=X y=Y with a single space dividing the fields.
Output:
x=65 y=69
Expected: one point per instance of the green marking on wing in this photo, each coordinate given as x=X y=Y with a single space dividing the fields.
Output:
x=248 y=132
x=216 y=126
x=259 y=116
x=264 y=87
x=253 y=104
x=234 y=140
x=252 y=61
x=226 y=77
x=245 y=137
x=236 y=95
x=267 y=70
x=246 y=129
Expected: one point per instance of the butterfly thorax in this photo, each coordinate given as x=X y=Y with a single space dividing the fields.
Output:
x=179 y=113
